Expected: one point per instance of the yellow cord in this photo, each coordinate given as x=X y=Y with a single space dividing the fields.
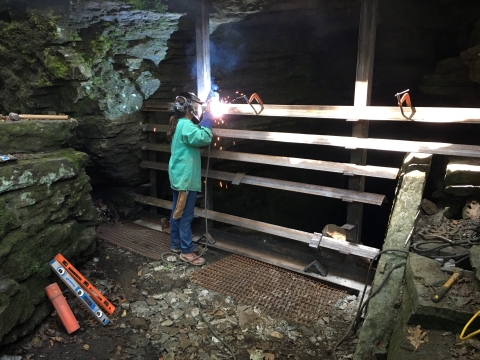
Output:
x=466 y=326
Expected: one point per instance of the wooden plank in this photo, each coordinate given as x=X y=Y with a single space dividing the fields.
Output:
x=202 y=30
x=42 y=117
x=342 y=194
x=352 y=113
x=297 y=235
x=152 y=156
x=346 y=169
x=346 y=142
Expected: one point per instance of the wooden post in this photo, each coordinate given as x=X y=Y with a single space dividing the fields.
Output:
x=202 y=28
x=204 y=82
x=363 y=87
x=152 y=156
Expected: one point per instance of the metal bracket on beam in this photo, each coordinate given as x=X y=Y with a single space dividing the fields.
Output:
x=322 y=269
x=315 y=240
x=351 y=232
x=348 y=173
x=238 y=178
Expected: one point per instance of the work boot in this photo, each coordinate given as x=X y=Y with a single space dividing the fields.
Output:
x=192 y=258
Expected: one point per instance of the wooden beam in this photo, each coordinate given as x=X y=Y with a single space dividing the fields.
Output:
x=351 y=113
x=404 y=146
x=343 y=168
x=342 y=194
x=363 y=89
x=297 y=235
x=202 y=29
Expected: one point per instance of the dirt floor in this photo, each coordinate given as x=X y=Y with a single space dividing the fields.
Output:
x=138 y=286
x=159 y=313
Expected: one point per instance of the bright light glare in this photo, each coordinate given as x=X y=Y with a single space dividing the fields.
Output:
x=217 y=108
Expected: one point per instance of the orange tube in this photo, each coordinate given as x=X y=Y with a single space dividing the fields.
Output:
x=61 y=306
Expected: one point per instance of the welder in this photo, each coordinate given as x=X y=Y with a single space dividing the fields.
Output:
x=184 y=171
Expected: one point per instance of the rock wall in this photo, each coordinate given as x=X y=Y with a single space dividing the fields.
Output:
x=45 y=209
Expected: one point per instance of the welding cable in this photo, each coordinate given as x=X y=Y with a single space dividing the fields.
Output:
x=419 y=247
x=362 y=304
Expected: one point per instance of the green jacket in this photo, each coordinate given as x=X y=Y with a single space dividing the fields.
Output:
x=184 y=167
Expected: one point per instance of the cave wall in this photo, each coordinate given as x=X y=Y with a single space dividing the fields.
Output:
x=45 y=209
x=99 y=60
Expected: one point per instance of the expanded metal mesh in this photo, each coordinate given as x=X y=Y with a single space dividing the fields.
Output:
x=280 y=292
x=135 y=238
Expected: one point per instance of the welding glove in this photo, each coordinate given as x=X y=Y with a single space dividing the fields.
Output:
x=181 y=201
x=207 y=120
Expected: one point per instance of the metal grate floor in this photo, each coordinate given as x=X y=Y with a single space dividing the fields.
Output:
x=280 y=292
x=135 y=238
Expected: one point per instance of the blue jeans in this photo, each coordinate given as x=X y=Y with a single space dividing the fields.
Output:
x=181 y=229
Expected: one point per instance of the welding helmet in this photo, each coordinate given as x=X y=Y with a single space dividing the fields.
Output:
x=186 y=100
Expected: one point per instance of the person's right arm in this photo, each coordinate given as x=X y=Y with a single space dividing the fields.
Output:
x=198 y=135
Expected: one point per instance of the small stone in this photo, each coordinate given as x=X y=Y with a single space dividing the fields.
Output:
x=151 y=302
x=176 y=314
x=429 y=207
x=139 y=323
x=167 y=323
x=276 y=334
x=164 y=338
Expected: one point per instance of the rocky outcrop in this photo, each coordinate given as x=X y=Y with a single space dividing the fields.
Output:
x=45 y=209
x=374 y=337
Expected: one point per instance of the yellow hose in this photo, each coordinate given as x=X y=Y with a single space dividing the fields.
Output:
x=466 y=326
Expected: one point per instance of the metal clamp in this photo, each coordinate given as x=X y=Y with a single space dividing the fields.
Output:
x=315 y=240
x=402 y=97
x=238 y=178
x=249 y=102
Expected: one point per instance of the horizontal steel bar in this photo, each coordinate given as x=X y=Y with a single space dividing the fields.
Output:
x=345 y=141
x=297 y=235
x=342 y=194
x=353 y=113
x=347 y=169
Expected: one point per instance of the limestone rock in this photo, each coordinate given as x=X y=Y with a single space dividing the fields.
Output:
x=475 y=260
x=334 y=231
x=429 y=207
x=471 y=210
x=35 y=135
x=462 y=177
x=422 y=276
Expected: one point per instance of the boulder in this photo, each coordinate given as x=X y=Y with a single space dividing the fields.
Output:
x=34 y=136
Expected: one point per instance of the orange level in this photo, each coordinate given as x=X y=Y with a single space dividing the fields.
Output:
x=86 y=285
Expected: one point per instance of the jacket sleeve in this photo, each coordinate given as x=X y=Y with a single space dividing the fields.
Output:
x=195 y=135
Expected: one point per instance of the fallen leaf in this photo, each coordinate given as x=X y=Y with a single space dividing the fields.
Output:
x=417 y=337
x=124 y=313
x=57 y=338
x=268 y=356
x=86 y=347
x=139 y=273
x=107 y=257
x=134 y=281
x=256 y=354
